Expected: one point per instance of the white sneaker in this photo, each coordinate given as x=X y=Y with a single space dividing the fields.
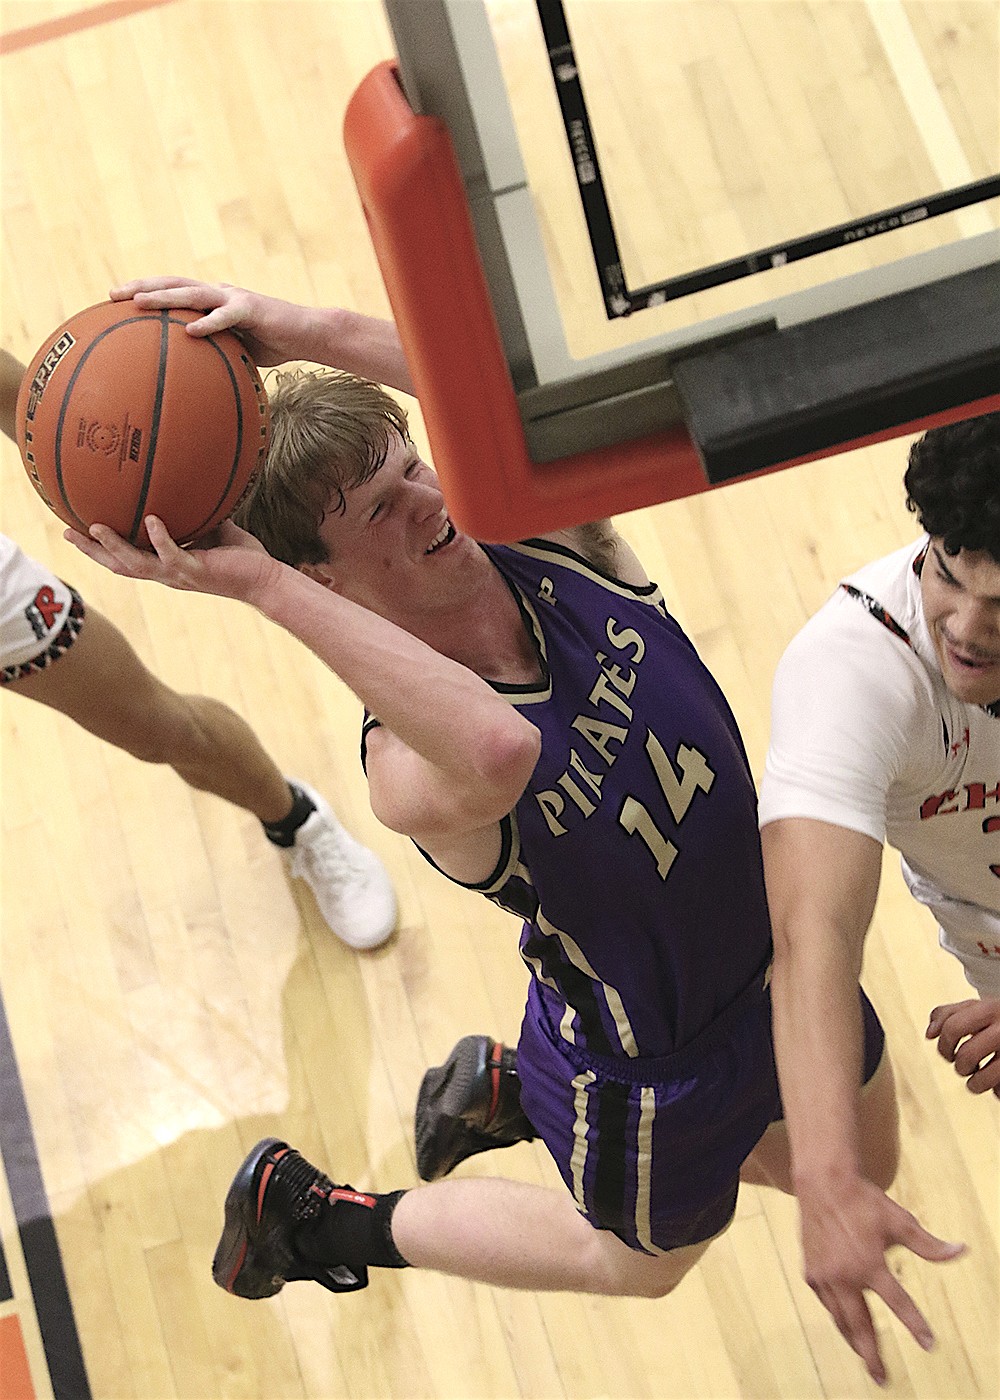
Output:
x=350 y=883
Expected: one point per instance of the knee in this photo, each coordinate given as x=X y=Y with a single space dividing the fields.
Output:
x=144 y=743
x=654 y=1287
x=167 y=732
x=622 y=1272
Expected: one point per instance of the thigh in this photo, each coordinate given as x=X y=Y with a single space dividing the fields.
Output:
x=101 y=683
x=632 y=1273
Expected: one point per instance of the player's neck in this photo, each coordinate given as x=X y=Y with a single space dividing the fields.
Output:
x=485 y=631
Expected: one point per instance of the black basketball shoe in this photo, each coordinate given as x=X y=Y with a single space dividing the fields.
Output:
x=470 y=1104
x=275 y=1193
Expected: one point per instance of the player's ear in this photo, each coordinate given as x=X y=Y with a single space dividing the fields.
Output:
x=323 y=574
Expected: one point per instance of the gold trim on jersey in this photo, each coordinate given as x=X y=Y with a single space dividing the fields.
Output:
x=566 y=559
x=529 y=695
x=536 y=968
x=512 y=866
x=575 y=954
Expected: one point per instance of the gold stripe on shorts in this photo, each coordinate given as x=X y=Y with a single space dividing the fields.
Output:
x=578 y=1161
x=644 y=1168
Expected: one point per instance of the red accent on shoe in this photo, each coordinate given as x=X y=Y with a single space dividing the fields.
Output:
x=265 y=1177
x=239 y=1264
x=494 y=1063
x=358 y=1197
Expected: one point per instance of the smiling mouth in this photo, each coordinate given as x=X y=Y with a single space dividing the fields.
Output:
x=970 y=663
x=444 y=536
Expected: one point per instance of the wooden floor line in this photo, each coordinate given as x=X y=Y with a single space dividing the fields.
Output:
x=42 y=1258
x=926 y=106
x=62 y=25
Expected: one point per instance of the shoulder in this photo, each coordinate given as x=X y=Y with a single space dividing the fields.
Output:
x=600 y=544
x=848 y=685
x=853 y=713
x=869 y=635
x=848 y=643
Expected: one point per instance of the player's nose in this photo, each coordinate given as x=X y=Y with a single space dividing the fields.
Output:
x=974 y=624
x=428 y=497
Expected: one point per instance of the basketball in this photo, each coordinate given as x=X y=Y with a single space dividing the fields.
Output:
x=122 y=414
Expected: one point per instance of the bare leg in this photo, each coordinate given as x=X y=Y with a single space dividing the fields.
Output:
x=11 y=374
x=770 y=1162
x=514 y=1235
x=101 y=683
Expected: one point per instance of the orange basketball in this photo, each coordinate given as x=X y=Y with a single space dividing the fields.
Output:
x=122 y=414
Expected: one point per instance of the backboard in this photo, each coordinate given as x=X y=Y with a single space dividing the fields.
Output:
x=740 y=234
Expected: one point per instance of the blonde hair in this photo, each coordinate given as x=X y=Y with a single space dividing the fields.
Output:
x=330 y=432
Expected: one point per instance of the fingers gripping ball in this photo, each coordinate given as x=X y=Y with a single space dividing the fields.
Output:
x=122 y=414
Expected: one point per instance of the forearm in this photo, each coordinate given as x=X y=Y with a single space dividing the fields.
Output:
x=363 y=345
x=822 y=882
x=277 y=331
x=446 y=714
x=818 y=1041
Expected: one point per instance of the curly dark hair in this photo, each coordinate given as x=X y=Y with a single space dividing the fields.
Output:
x=953 y=484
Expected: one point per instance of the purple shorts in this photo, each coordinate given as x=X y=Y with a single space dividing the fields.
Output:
x=651 y=1149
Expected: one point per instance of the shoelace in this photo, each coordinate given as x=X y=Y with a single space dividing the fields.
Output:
x=329 y=857
x=301 y=1189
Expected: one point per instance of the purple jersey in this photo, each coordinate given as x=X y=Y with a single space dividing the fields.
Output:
x=633 y=854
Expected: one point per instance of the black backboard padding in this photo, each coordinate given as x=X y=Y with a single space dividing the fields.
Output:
x=823 y=383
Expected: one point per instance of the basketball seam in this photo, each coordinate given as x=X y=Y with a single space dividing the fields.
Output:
x=237 y=454
x=64 y=404
x=154 y=427
x=60 y=421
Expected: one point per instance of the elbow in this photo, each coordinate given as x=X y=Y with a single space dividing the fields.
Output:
x=507 y=759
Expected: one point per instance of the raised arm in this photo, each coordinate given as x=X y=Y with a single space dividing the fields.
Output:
x=463 y=754
x=822 y=883
x=276 y=331
x=454 y=756
x=846 y=705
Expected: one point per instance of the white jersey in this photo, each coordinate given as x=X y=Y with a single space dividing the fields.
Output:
x=866 y=735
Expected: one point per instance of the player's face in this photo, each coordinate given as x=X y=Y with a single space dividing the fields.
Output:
x=961 y=596
x=394 y=549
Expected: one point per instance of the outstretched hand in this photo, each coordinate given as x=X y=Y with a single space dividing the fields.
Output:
x=229 y=563
x=273 y=331
x=968 y=1034
x=845 y=1235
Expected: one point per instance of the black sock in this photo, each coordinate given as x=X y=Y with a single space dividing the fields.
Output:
x=354 y=1229
x=283 y=833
